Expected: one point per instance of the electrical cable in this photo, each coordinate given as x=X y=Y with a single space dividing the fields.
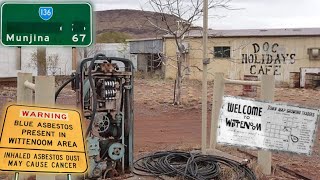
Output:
x=94 y=93
x=74 y=77
x=62 y=86
x=190 y=166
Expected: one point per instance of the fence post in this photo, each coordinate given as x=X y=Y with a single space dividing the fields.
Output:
x=44 y=96
x=45 y=90
x=24 y=94
x=267 y=93
x=218 y=92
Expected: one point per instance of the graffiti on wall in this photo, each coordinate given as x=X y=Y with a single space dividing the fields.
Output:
x=267 y=58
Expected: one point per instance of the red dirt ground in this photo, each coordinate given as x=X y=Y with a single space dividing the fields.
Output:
x=161 y=126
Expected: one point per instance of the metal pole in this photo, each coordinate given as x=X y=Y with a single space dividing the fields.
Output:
x=68 y=176
x=29 y=85
x=16 y=176
x=239 y=82
x=204 y=78
x=18 y=58
x=267 y=93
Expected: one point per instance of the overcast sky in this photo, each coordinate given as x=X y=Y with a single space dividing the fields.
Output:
x=253 y=13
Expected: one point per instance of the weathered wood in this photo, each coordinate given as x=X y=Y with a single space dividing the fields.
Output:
x=24 y=95
x=218 y=92
x=44 y=96
x=282 y=168
x=267 y=93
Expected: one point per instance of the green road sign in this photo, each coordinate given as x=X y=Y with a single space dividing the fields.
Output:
x=45 y=24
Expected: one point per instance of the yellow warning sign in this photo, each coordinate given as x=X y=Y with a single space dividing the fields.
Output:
x=40 y=139
x=42 y=161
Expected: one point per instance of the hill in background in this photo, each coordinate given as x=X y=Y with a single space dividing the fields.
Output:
x=133 y=23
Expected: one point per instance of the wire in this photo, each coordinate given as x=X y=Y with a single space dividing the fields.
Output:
x=62 y=86
x=94 y=93
x=189 y=166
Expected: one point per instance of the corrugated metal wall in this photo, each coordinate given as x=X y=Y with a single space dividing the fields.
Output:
x=147 y=46
x=117 y=50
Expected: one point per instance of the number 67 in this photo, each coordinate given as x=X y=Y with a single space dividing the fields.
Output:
x=76 y=39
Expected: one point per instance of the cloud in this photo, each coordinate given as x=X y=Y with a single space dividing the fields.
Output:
x=115 y=4
x=268 y=14
x=253 y=13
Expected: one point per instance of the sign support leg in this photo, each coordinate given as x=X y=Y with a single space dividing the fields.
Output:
x=18 y=58
x=267 y=93
x=68 y=176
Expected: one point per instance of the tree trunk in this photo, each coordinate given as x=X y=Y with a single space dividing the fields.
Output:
x=178 y=83
x=41 y=61
x=85 y=52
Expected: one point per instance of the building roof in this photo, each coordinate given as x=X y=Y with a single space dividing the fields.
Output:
x=254 y=32
x=144 y=39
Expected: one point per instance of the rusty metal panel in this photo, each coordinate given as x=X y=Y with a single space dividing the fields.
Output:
x=294 y=80
x=304 y=71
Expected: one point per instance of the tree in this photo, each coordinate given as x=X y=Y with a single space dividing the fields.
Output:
x=188 y=11
x=89 y=51
x=112 y=37
x=44 y=64
x=107 y=37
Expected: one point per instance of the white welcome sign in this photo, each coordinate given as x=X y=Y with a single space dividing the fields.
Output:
x=263 y=125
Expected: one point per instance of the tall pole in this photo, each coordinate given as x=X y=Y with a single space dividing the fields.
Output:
x=18 y=58
x=204 y=78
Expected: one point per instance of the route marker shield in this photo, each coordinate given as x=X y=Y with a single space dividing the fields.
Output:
x=46 y=13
